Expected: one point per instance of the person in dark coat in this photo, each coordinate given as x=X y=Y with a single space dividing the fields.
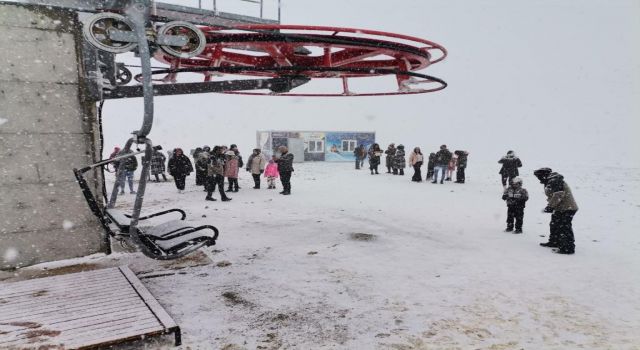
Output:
x=215 y=174
x=360 y=154
x=563 y=207
x=390 y=153
x=509 y=170
x=180 y=167
x=516 y=197
x=129 y=164
x=441 y=163
x=430 y=166
x=462 y=165
x=374 y=157
x=157 y=165
x=285 y=167
x=399 y=161
x=200 y=159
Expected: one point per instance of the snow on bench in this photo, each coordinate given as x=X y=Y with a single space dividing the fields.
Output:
x=80 y=310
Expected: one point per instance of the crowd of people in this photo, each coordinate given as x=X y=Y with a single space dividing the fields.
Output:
x=442 y=163
x=212 y=167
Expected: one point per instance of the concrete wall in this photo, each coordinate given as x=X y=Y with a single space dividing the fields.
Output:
x=46 y=129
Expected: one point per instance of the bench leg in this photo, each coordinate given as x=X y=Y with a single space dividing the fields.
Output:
x=178 y=336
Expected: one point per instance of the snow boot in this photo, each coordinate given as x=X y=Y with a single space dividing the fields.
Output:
x=210 y=199
x=508 y=229
x=226 y=199
x=518 y=230
x=549 y=245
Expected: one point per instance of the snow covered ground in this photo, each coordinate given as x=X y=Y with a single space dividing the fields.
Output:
x=437 y=273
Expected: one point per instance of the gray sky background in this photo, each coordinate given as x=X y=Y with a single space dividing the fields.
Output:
x=552 y=80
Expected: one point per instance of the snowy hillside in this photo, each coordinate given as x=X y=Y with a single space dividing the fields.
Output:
x=437 y=272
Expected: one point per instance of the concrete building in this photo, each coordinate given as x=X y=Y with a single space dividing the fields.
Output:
x=46 y=129
x=330 y=146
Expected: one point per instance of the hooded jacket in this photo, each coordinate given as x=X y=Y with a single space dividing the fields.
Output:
x=510 y=164
x=179 y=165
x=559 y=196
x=399 y=161
x=285 y=163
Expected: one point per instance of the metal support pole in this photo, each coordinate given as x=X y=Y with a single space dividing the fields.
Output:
x=279 y=7
x=137 y=16
x=261 y=8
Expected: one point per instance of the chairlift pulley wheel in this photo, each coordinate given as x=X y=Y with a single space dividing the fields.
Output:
x=196 y=41
x=97 y=29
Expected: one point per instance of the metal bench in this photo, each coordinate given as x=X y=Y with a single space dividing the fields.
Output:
x=167 y=240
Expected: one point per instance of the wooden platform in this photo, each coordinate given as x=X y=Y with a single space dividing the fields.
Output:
x=80 y=310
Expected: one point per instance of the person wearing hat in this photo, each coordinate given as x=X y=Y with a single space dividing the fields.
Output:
x=516 y=197
x=509 y=170
x=563 y=207
x=441 y=163
x=285 y=167
x=255 y=165
x=231 y=170
x=215 y=174
x=399 y=161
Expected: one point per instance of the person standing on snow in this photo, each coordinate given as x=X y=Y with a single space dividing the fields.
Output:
x=374 y=157
x=157 y=165
x=516 y=197
x=285 y=168
x=563 y=207
x=215 y=174
x=390 y=154
x=129 y=164
x=360 y=154
x=441 y=163
x=255 y=165
x=462 y=165
x=416 y=159
x=180 y=167
x=231 y=170
x=271 y=172
x=399 y=161
x=430 y=166
x=453 y=163
x=510 y=164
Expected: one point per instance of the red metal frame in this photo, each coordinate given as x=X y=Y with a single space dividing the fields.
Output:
x=266 y=46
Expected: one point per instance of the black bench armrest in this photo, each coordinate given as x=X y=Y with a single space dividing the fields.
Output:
x=184 y=215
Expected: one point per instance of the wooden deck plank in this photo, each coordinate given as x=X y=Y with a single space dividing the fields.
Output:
x=80 y=310
x=62 y=280
x=68 y=286
x=123 y=321
x=45 y=296
x=153 y=304
x=88 y=315
x=65 y=308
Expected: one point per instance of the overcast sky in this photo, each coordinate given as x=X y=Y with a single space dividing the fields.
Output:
x=549 y=79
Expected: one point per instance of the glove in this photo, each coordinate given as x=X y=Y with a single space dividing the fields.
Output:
x=261 y=171
x=504 y=197
x=547 y=209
